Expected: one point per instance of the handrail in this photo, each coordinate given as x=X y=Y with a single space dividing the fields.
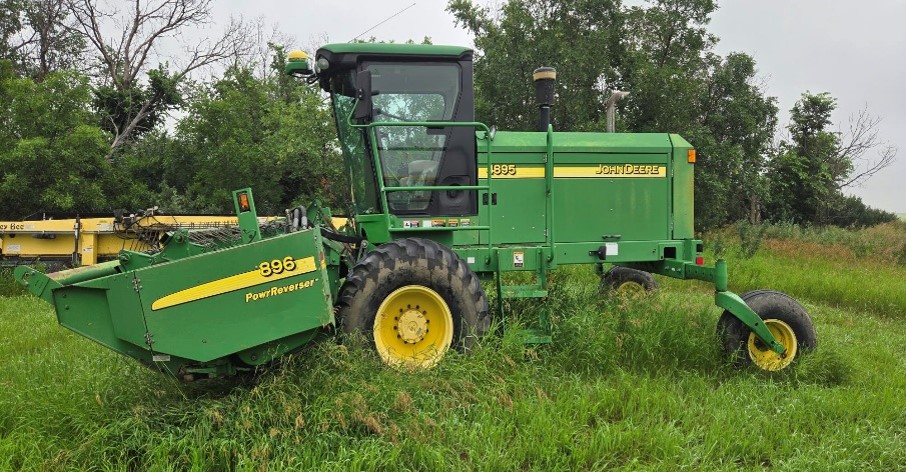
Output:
x=549 y=183
x=437 y=187
x=384 y=190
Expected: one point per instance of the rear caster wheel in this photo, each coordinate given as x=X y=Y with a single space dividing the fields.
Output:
x=784 y=317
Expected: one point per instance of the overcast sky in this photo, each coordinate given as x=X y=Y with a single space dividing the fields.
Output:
x=854 y=50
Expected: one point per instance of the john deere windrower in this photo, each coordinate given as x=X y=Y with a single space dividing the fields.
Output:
x=440 y=202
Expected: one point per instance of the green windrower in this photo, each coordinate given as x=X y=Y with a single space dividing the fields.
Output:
x=440 y=202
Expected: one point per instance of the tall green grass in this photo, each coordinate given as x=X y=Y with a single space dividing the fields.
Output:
x=8 y=285
x=627 y=384
x=859 y=269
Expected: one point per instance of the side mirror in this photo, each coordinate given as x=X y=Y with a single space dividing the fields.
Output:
x=364 y=108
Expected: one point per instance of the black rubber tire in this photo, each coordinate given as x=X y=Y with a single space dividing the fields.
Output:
x=617 y=276
x=767 y=304
x=414 y=261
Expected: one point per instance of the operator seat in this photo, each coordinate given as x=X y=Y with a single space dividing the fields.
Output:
x=421 y=172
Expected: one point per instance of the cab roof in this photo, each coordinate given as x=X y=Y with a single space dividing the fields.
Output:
x=393 y=48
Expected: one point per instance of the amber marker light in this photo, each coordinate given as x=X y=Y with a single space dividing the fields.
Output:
x=244 y=202
x=690 y=156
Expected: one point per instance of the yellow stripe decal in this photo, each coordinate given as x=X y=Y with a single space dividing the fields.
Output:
x=516 y=171
x=510 y=171
x=231 y=283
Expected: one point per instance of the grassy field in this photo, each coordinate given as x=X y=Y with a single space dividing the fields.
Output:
x=628 y=384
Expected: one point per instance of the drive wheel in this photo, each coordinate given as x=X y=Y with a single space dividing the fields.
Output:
x=413 y=299
x=784 y=317
x=628 y=282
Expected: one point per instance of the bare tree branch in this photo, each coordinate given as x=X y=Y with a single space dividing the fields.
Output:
x=144 y=25
x=234 y=43
x=24 y=42
x=860 y=139
x=88 y=25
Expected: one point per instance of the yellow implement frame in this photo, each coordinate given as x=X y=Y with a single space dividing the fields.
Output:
x=92 y=239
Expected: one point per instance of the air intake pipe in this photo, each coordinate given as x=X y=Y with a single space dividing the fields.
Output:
x=544 y=78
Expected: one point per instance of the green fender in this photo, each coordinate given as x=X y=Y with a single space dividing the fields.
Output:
x=735 y=305
x=722 y=297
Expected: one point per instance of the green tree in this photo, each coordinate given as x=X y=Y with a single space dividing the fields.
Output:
x=813 y=167
x=128 y=112
x=801 y=179
x=668 y=61
x=154 y=170
x=679 y=85
x=10 y=25
x=661 y=52
x=37 y=37
x=580 y=38
x=736 y=124
x=247 y=131
x=52 y=157
x=852 y=212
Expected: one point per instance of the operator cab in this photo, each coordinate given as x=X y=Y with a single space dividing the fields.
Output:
x=408 y=83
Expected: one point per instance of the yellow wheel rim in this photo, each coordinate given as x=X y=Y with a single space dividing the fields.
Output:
x=413 y=327
x=632 y=289
x=764 y=357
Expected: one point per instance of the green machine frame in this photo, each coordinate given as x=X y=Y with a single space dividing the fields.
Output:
x=648 y=255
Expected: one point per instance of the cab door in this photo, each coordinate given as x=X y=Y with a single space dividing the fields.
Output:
x=417 y=155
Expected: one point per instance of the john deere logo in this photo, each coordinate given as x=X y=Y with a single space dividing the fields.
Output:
x=629 y=169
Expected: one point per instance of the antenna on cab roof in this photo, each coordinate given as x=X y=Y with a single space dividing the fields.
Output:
x=381 y=23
